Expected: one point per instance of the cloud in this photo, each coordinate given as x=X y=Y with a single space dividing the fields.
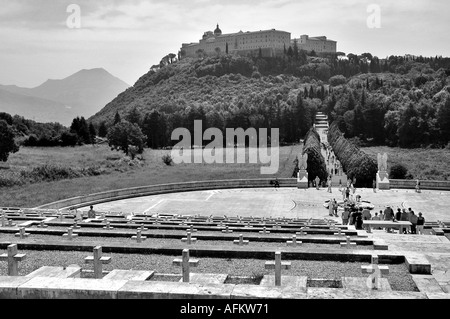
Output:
x=141 y=31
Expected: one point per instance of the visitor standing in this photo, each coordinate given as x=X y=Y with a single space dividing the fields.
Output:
x=317 y=182
x=420 y=224
x=398 y=214
x=345 y=216
x=405 y=218
x=359 y=219
x=413 y=220
x=330 y=208
x=374 y=185
x=418 y=186
x=91 y=213
x=388 y=216
x=335 y=207
x=329 y=185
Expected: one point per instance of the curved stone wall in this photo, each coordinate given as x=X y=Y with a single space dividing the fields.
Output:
x=83 y=201
x=109 y=196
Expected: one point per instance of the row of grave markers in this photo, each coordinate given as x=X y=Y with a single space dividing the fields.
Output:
x=189 y=239
x=12 y=257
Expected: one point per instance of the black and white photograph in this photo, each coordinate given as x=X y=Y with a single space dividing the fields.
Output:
x=225 y=157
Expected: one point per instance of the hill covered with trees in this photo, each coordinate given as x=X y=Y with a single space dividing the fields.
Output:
x=398 y=101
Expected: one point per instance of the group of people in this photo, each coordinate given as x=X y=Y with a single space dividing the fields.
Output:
x=408 y=215
x=354 y=215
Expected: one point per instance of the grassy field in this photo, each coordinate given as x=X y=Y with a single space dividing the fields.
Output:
x=114 y=172
x=425 y=164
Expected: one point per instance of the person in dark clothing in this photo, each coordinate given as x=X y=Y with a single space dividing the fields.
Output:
x=358 y=219
x=398 y=214
x=420 y=224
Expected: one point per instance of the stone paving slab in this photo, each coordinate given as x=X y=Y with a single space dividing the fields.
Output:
x=206 y=279
x=56 y=272
x=263 y=292
x=438 y=296
x=427 y=284
x=173 y=290
x=335 y=293
x=69 y=288
x=417 y=263
x=360 y=283
x=137 y=275
x=9 y=285
x=294 y=281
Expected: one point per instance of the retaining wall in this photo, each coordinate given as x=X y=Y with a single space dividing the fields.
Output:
x=103 y=197
x=411 y=184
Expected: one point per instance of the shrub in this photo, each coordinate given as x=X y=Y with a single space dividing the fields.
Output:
x=167 y=159
x=316 y=162
x=398 y=171
x=355 y=162
x=338 y=80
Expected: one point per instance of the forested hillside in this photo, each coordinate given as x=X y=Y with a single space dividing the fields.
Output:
x=399 y=101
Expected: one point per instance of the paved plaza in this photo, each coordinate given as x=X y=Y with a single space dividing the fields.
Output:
x=281 y=202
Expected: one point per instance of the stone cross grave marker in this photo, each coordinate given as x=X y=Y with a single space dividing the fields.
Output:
x=13 y=258
x=185 y=262
x=139 y=238
x=375 y=271
x=276 y=226
x=22 y=234
x=348 y=244
x=189 y=239
x=294 y=242
x=278 y=266
x=108 y=226
x=98 y=262
x=70 y=235
x=103 y=216
x=248 y=225
x=191 y=229
x=4 y=219
x=339 y=233
x=75 y=225
x=11 y=223
x=264 y=231
x=142 y=228
x=227 y=230
x=302 y=232
x=241 y=241
x=42 y=225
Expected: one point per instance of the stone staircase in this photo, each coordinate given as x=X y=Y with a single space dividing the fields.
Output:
x=321 y=125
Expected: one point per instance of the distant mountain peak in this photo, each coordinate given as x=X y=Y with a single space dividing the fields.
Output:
x=85 y=92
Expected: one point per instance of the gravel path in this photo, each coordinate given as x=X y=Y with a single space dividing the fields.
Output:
x=399 y=277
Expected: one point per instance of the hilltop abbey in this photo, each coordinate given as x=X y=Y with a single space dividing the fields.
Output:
x=269 y=43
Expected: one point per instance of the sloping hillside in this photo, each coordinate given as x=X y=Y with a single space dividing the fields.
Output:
x=83 y=94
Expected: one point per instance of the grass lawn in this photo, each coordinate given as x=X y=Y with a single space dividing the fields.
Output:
x=425 y=164
x=118 y=172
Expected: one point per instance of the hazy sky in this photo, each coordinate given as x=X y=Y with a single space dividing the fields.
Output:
x=128 y=37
